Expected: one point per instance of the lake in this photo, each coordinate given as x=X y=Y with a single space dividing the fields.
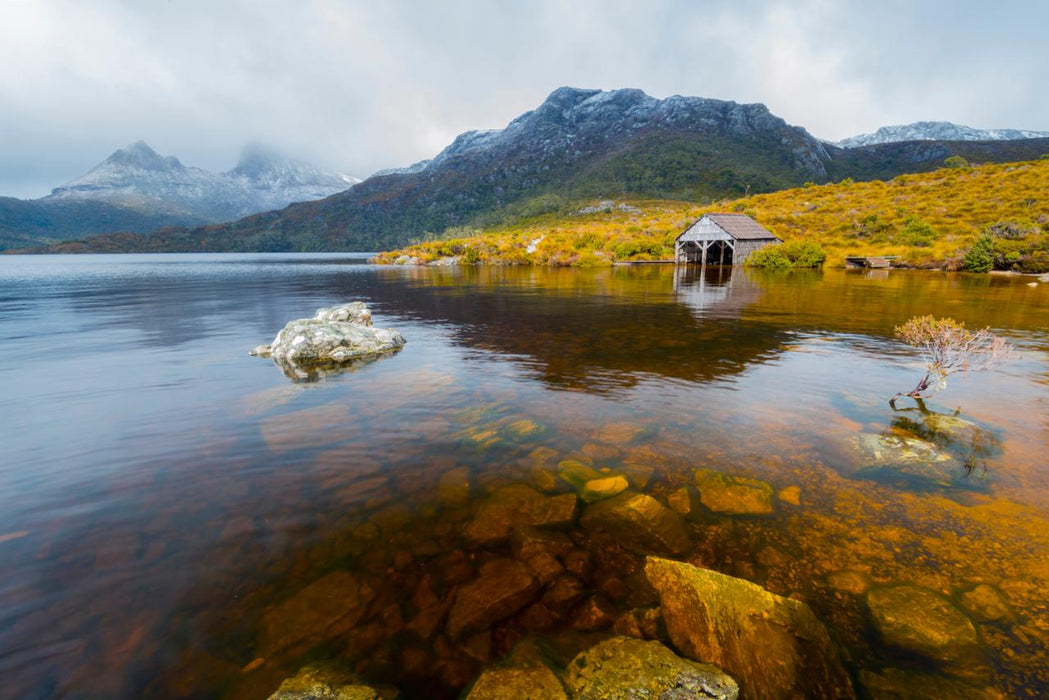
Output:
x=166 y=500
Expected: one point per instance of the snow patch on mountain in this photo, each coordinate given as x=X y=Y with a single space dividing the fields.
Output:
x=937 y=131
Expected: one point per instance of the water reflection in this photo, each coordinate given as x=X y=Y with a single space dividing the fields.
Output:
x=715 y=291
x=165 y=495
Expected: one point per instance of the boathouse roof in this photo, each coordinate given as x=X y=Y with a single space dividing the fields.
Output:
x=739 y=226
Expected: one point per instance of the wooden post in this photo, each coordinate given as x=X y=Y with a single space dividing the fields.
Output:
x=703 y=255
x=721 y=260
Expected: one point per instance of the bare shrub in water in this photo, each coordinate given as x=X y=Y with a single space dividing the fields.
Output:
x=949 y=347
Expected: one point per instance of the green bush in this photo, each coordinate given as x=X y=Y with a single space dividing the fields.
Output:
x=915 y=233
x=955 y=162
x=770 y=258
x=800 y=253
x=980 y=257
x=470 y=256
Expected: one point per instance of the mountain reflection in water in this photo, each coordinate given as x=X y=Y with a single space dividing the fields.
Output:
x=165 y=495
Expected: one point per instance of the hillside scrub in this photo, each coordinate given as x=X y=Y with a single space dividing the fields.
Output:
x=927 y=220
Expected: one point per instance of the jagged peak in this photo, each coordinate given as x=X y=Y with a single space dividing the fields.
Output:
x=140 y=155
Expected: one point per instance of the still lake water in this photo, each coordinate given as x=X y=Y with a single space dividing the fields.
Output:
x=163 y=495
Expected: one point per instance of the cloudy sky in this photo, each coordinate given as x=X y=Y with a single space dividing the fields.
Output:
x=358 y=86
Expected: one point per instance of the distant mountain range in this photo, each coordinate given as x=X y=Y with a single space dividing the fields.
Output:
x=937 y=131
x=578 y=144
x=136 y=189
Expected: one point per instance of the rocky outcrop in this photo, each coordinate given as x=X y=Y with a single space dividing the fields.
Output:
x=638 y=522
x=922 y=621
x=774 y=646
x=336 y=335
x=622 y=667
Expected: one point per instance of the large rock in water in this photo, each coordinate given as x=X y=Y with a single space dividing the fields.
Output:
x=334 y=335
x=773 y=646
x=622 y=667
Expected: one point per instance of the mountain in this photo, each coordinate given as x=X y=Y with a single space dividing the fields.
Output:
x=136 y=189
x=937 y=131
x=577 y=145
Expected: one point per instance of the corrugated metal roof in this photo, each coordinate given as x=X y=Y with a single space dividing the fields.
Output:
x=741 y=227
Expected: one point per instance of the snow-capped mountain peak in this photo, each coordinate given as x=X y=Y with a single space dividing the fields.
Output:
x=937 y=131
x=137 y=176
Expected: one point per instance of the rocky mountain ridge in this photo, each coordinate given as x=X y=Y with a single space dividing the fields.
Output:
x=937 y=131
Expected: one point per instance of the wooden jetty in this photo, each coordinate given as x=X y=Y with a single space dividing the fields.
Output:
x=869 y=261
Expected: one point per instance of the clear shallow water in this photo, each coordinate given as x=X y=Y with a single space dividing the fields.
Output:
x=162 y=493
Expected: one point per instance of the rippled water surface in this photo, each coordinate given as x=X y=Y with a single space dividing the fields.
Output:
x=163 y=496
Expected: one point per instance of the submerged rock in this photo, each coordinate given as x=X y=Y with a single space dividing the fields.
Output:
x=986 y=604
x=518 y=506
x=503 y=587
x=605 y=487
x=316 y=683
x=453 y=488
x=622 y=667
x=924 y=622
x=577 y=473
x=334 y=335
x=898 y=449
x=324 y=609
x=913 y=462
x=639 y=522
x=538 y=683
x=684 y=501
x=774 y=647
x=733 y=495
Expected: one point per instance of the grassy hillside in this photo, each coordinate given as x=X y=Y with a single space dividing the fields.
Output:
x=930 y=219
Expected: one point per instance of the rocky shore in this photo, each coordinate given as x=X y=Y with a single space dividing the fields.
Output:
x=580 y=585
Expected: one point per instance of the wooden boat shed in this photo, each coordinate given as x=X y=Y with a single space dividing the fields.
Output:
x=722 y=239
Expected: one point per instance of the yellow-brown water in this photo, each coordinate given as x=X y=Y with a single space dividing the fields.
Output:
x=165 y=496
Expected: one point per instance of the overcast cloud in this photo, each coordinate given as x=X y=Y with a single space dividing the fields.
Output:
x=358 y=86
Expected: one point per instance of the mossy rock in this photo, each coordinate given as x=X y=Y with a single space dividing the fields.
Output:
x=623 y=667
x=775 y=647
